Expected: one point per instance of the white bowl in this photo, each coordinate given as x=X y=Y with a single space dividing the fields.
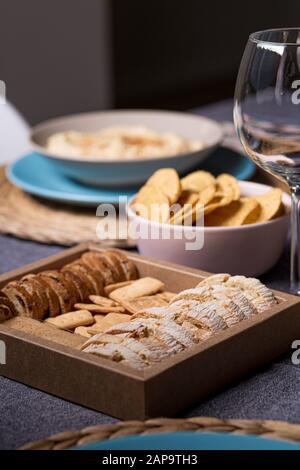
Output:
x=121 y=173
x=250 y=250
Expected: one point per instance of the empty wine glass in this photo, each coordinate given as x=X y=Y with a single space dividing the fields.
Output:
x=267 y=115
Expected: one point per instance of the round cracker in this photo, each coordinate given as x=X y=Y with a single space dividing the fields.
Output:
x=217 y=202
x=186 y=201
x=270 y=205
x=187 y=215
x=207 y=195
x=244 y=211
x=228 y=186
x=198 y=181
x=186 y=212
x=188 y=197
x=167 y=180
x=192 y=199
x=151 y=203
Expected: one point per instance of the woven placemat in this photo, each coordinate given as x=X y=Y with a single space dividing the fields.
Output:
x=35 y=219
x=264 y=428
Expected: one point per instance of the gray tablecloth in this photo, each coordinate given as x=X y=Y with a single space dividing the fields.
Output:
x=27 y=414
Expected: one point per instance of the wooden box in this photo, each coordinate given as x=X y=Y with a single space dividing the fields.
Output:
x=161 y=390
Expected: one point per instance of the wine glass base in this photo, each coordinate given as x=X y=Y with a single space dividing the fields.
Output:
x=295 y=290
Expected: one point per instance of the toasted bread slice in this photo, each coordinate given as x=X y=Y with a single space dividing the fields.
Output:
x=5 y=313
x=69 y=286
x=4 y=300
x=39 y=299
x=114 y=265
x=64 y=295
x=127 y=265
x=52 y=297
x=93 y=261
x=20 y=299
x=79 y=284
x=91 y=279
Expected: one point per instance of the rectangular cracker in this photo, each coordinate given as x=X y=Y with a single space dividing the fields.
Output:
x=117 y=317
x=103 y=301
x=112 y=316
x=82 y=331
x=111 y=287
x=71 y=320
x=102 y=323
x=99 y=318
x=100 y=326
x=98 y=308
x=146 y=301
x=139 y=288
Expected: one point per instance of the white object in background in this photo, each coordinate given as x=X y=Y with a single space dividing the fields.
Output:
x=13 y=134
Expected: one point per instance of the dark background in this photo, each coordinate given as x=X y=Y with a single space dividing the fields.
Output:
x=66 y=56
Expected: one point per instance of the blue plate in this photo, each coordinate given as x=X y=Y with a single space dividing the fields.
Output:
x=224 y=160
x=39 y=177
x=36 y=175
x=191 y=441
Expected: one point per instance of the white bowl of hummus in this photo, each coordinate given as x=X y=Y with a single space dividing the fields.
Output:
x=123 y=148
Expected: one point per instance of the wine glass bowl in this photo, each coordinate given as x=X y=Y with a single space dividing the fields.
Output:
x=267 y=115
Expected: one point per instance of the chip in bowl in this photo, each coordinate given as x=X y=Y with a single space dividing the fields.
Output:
x=243 y=211
x=270 y=205
x=165 y=198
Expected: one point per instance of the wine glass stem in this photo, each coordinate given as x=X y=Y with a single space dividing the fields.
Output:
x=295 y=241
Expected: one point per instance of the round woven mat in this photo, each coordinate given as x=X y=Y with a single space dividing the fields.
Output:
x=31 y=218
x=263 y=428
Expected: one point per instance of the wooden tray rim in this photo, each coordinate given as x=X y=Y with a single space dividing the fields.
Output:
x=155 y=369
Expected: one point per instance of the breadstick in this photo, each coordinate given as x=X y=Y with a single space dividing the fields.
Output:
x=71 y=320
x=139 y=288
x=98 y=309
x=103 y=301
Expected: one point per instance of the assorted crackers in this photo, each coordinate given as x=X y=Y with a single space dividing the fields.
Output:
x=166 y=198
x=184 y=320
x=124 y=299
x=86 y=296
x=133 y=321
